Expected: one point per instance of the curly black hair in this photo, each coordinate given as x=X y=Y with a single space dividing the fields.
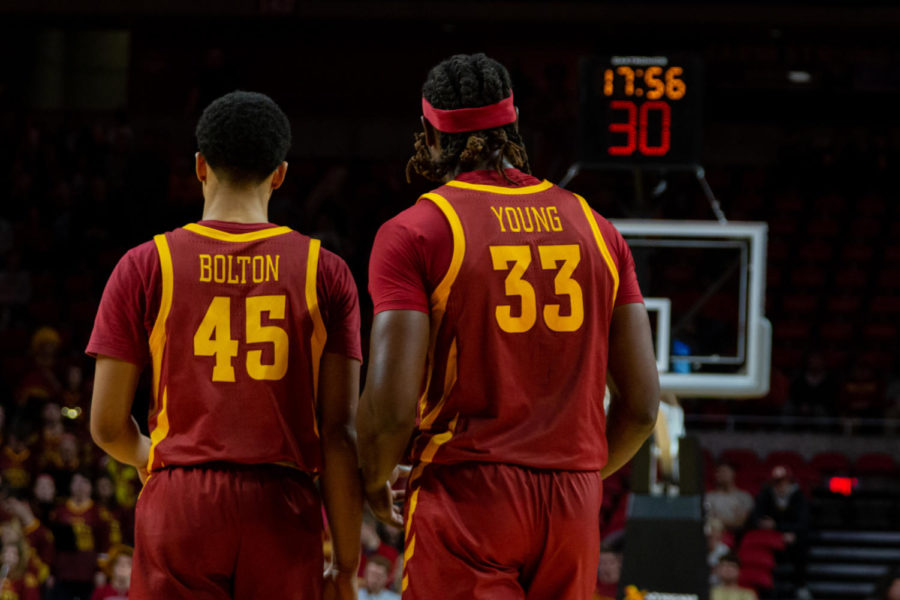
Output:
x=468 y=81
x=243 y=136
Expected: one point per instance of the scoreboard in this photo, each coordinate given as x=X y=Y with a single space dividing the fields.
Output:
x=640 y=110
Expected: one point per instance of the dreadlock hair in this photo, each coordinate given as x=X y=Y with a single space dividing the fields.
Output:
x=244 y=136
x=468 y=81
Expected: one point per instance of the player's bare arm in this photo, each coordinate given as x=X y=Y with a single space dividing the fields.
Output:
x=387 y=414
x=341 y=490
x=112 y=426
x=632 y=365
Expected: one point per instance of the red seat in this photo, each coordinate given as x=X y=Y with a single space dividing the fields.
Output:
x=886 y=305
x=871 y=205
x=829 y=463
x=808 y=277
x=844 y=304
x=889 y=279
x=892 y=252
x=880 y=332
x=778 y=250
x=817 y=251
x=875 y=463
x=858 y=252
x=763 y=538
x=852 y=277
x=866 y=227
x=783 y=225
x=801 y=303
x=756 y=578
x=823 y=226
x=837 y=331
x=792 y=330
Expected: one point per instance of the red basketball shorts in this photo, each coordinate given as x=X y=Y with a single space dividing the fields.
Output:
x=228 y=531
x=501 y=532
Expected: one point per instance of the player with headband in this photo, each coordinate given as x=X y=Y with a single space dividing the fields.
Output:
x=500 y=301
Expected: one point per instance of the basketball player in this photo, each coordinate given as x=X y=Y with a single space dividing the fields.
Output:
x=253 y=335
x=500 y=301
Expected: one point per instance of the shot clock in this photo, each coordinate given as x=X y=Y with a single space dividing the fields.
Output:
x=640 y=110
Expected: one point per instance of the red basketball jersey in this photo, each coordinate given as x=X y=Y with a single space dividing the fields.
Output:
x=236 y=349
x=520 y=325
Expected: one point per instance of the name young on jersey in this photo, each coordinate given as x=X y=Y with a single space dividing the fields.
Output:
x=527 y=218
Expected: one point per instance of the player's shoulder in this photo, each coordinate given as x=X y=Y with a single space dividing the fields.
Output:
x=331 y=263
x=607 y=228
x=421 y=221
x=143 y=257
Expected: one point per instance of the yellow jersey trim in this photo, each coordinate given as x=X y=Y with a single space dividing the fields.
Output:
x=161 y=430
x=497 y=189
x=158 y=333
x=250 y=236
x=158 y=343
x=601 y=243
x=441 y=294
x=427 y=456
x=450 y=378
x=319 y=336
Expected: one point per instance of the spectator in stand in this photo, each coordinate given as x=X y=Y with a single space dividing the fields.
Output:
x=715 y=546
x=609 y=571
x=127 y=486
x=91 y=530
x=41 y=543
x=728 y=572
x=397 y=575
x=51 y=435
x=105 y=492
x=66 y=463
x=117 y=569
x=861 y=394
x=17 y=581
x=40 y=382
x=814 y=391
x=390 y=535
x=11 y=533
x=17 y=461
x=373 y=545
x=374 y=584
x=782 y=506
x=728 y=503
x=44 y=493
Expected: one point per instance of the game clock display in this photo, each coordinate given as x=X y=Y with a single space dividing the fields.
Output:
x=640 y=109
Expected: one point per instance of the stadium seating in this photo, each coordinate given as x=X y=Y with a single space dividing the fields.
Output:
x=875 y=463
x=830 y=463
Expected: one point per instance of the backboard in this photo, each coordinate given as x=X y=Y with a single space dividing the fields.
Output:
x=704 y=287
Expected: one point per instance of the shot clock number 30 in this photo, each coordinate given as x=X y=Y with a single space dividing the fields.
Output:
x=640 y=109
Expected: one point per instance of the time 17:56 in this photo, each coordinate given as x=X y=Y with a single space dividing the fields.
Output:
x=658 y=82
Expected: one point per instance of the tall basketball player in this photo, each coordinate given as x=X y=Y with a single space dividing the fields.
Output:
x=252 y=331
x=500 y=302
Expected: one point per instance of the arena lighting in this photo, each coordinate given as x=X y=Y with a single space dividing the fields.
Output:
x=801 y=77
x=843 y=485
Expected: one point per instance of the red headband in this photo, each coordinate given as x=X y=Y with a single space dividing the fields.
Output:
x=471 y=119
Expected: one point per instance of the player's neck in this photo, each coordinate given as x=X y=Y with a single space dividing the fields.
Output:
x=236 y=205
x=484 y=165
